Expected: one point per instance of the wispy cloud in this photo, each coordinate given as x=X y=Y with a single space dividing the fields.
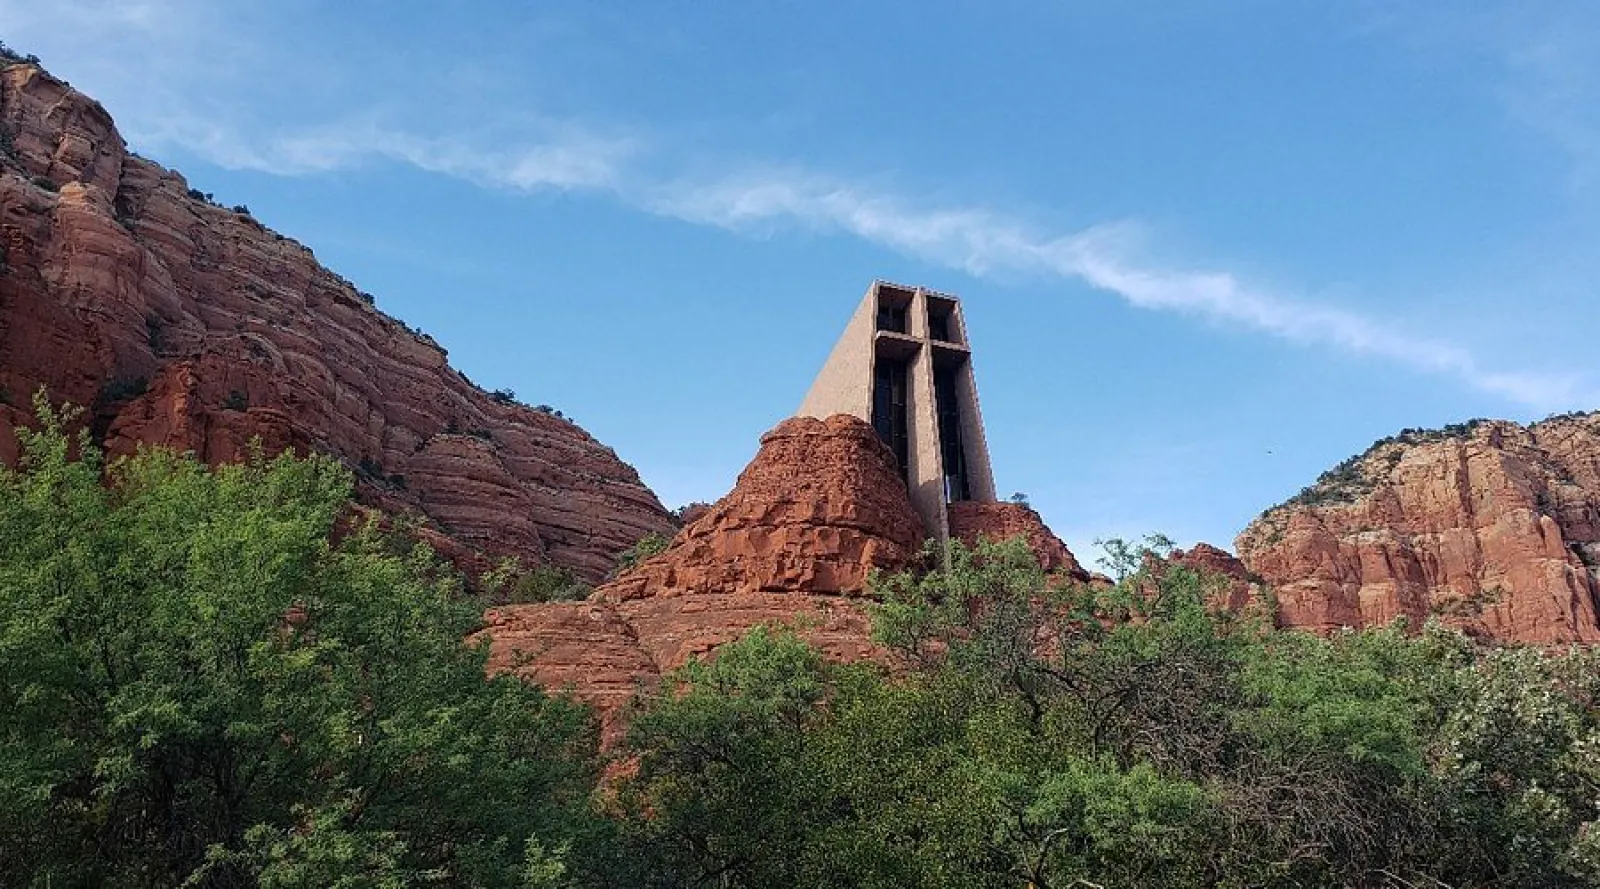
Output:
x=533 y=153
x=1110 y=257
x=1544 y=56
x=567 y=157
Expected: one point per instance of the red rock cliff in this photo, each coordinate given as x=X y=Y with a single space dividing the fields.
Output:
x=1489 y=526
x=820 y=506
x=185 y=324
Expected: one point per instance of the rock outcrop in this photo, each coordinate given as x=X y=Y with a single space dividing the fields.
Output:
x=186 y=324
x=971 y=521
x=604 y=652
x=819 y=508
x=1236 y=588
x=1488 y=526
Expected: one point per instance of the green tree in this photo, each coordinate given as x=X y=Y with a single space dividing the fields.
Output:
x=202 y=689
x=719 y=797
x=1046 y=733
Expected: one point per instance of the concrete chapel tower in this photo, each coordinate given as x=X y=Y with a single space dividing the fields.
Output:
x=903 y=365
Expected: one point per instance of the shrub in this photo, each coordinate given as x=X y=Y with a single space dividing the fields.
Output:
x=689 y=512
x=546 y=583
x=46 y=183
x=236 y=401
x=503 y=396
x=648 y=545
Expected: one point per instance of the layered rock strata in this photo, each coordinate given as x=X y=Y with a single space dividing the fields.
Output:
x=185 y=324
x=818 y=510
x=1490 y=526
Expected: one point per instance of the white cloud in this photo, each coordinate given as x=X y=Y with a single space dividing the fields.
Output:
x=207 y=110
x=565 y=158
x=1106 y=257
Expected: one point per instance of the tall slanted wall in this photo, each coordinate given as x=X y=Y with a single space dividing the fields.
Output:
x=185 y=324
x=1489 y=526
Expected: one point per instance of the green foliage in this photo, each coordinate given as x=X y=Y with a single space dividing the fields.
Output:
x=236 y=401
x=203 y=690
x=206 y=687
x=46 y=183
x=690 y=511
x=649 y=545
x=512 y=584
x=503 y=396
x=1049 y=734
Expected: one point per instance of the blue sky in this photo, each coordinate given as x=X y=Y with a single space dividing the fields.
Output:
x=1206 y=250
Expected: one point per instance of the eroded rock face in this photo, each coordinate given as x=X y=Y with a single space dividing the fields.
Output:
x=820 y=507
x=1236 y=589
x=604 y=652
x=971 y=521
x=188 y=325
x=1491 y=527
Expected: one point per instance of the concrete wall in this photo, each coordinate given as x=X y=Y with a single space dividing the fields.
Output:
x=844 y=386
x=980 y=472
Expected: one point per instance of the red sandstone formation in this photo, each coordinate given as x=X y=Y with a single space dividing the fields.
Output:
x=971 y=521
x=1489 y=526
x=818 y=509
x=185 y=324
x=604 y=652
x=1238 y=589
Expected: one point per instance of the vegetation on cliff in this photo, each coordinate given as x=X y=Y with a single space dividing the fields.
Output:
x=213 y=679
x=1352 y=477
x=1055 y=735
x=210 y=680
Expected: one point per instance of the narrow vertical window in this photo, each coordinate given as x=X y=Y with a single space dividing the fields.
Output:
x=889 y=409
x=947 y=406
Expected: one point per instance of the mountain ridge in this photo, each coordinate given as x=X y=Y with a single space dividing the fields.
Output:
x=182 y=323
